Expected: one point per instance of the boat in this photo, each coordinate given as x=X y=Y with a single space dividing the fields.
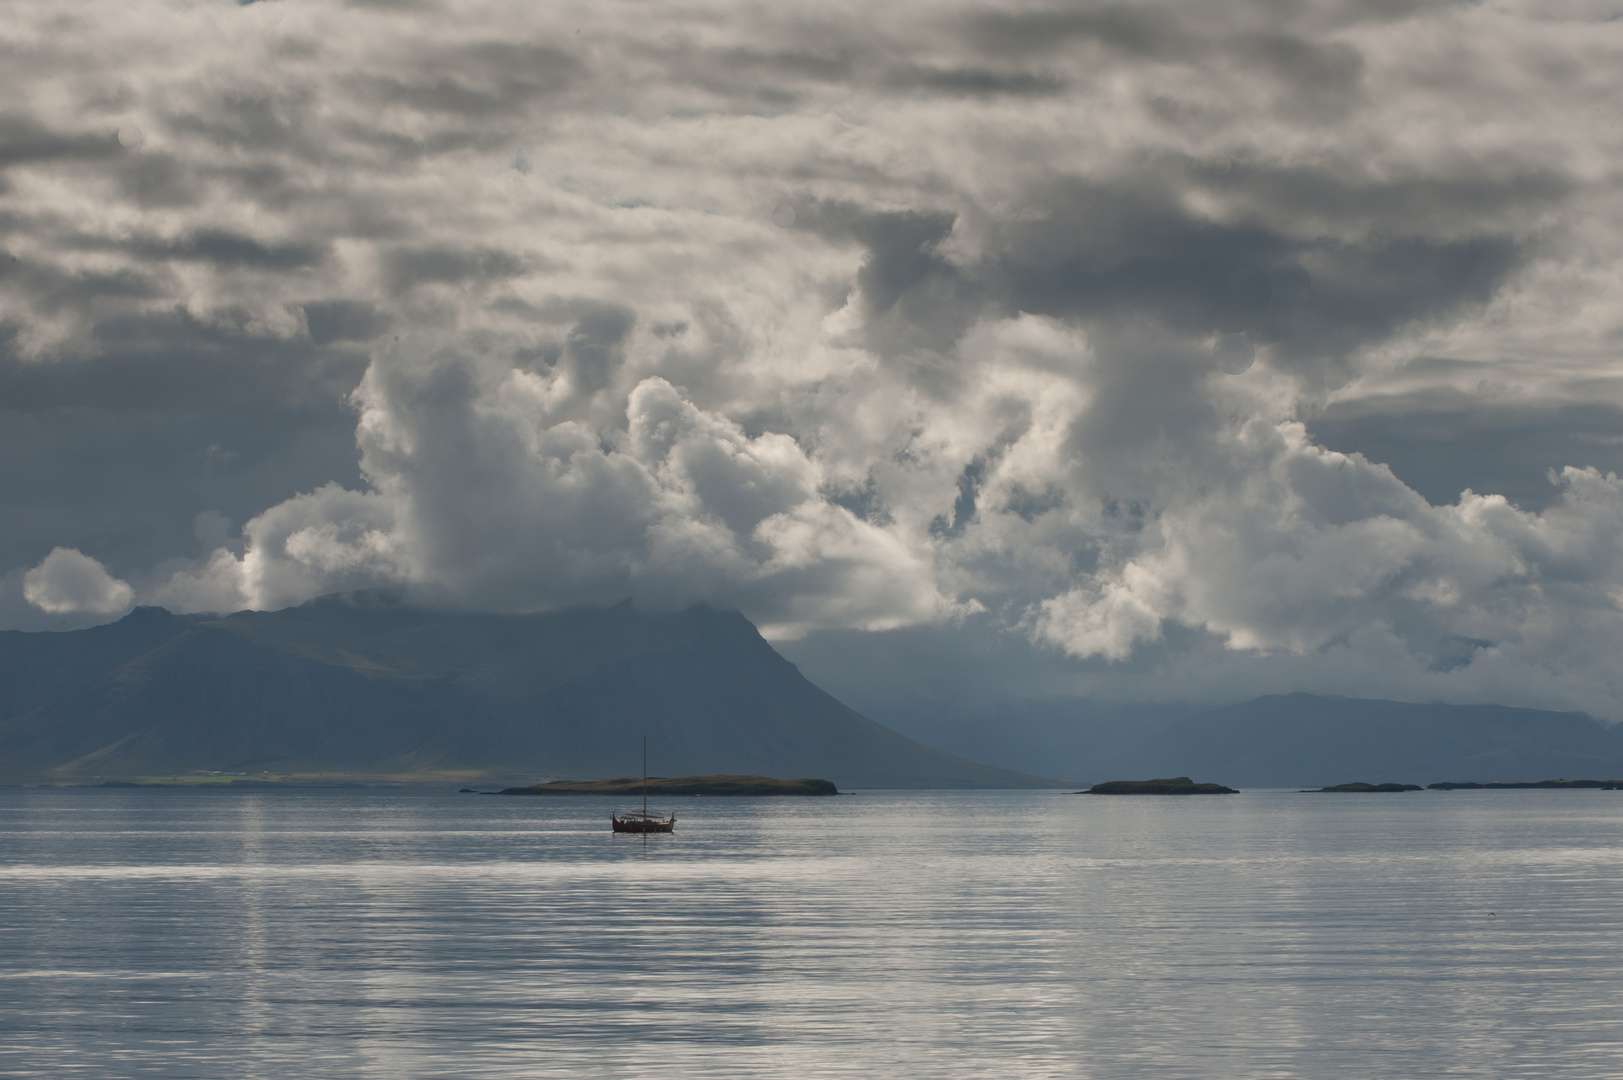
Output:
x=642 y=821
x=635 y=822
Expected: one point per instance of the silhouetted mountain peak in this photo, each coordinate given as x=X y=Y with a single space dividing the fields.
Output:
x=367 y=682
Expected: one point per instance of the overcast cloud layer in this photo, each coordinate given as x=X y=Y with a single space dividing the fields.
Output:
x=1058 y=322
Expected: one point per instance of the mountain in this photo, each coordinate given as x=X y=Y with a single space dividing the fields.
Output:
x=1305 y=740
x=364 y=684
x=1291 y=740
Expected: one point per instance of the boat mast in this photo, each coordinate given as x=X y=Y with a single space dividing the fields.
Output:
x=645 y=776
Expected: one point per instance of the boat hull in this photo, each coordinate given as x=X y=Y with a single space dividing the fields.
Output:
x=638 y=824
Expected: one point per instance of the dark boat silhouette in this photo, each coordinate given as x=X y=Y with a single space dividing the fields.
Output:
x=634 y=821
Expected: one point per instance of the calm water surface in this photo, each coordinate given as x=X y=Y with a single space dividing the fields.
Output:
x=363 y=934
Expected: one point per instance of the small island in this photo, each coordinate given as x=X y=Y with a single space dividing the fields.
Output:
x=1603 y=785
x=1358 y=787
x=681 y=785
x=1176 y=785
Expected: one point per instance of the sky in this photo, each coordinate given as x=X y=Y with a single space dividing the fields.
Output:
x=1145 y=352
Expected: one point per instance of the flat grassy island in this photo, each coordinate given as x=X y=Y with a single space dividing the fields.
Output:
x=1358 y=787
x=681 y=785
x=1176 y=785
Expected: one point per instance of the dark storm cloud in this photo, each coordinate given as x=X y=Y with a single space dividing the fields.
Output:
x=1465 y=195
x=172 y=359
x=408 y=267
x=157 y=181
x=1442 y=442
x=51 y=288
x=1097 y=249
x=775 y=77
x=595 y=346
x=344 y=321
x=592 y=345
x=977 y=82
x=261 y=119
x=1114 y=251
x=24 y=141
x=899 y=256
x=228 y=249
x=910 y=293
x=479 y=81
x=1150 y=409
x=225 y=424
x=1138 y=32
x=1100 y=250
x=1317 y=83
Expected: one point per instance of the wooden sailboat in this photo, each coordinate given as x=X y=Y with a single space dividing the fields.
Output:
x=644 y=822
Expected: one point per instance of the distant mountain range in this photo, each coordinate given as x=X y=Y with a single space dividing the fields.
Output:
x=362 y=684
x=1292 y=740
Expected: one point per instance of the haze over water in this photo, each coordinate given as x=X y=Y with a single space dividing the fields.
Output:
x=366 y=934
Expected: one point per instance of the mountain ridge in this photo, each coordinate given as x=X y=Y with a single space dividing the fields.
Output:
x=1289 y=741
x=362 y=683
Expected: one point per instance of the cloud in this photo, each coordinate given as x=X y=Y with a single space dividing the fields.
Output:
x=1513 y=440
x=502 y=306
x=1326 y=546
x=476 y=504
x=69 y=582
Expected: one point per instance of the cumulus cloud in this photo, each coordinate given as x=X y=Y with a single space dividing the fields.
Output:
x=479 y=500
x=1040 y=316
x=69 y=582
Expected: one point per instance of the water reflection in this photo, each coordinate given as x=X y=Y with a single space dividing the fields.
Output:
x=174 y=933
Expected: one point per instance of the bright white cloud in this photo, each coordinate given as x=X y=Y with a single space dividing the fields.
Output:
x=69 y=582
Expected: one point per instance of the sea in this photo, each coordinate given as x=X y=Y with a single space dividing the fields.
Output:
x=372 y=933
